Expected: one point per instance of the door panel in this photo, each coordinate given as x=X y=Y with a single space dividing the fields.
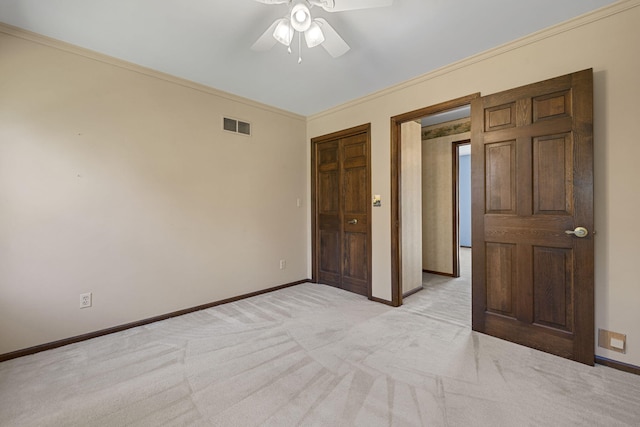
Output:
x=328 y=209
x=553 y=287
x=500 y=280
x=553 y=175
x=501 y=184
x=355 y=270
x=356 y=204
x=341 y=188
x=329 y=268
x=532 y=174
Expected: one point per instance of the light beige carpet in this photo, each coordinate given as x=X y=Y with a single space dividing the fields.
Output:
x=312 y=355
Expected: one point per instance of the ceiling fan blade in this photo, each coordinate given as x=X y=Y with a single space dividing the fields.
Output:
x=325 y=4
x=333 y=43
x=342 y=5
x=272 y=1
x=266 y=40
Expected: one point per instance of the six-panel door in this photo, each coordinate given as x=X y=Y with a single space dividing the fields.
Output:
x=532 y=166
x=342 y=249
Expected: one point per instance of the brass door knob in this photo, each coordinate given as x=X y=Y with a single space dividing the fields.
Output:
x=578 y=232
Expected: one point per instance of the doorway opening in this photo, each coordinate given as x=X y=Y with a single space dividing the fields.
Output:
x=425 y=235
x=463 y=156
x=452 y=292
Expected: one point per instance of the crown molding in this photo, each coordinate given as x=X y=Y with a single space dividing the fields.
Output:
x=588 y=18
x=106 y=59
x=579 y=21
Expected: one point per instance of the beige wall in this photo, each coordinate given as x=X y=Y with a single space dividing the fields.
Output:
x=120 y=182
x=605 y=41
x=411 y=188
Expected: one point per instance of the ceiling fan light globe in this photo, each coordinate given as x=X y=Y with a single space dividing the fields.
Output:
x=300 y=17
x=283 y=32
x=314 y=36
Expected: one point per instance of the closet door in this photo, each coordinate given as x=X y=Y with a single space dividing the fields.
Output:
x=341 y=215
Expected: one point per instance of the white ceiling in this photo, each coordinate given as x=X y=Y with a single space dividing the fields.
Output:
x=208 y=41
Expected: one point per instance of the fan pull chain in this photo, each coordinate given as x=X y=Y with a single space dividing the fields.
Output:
x=299 y=48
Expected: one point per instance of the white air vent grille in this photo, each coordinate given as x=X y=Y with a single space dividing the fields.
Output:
x=236 y=126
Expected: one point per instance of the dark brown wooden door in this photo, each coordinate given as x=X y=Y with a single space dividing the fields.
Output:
x=532 y=168
x=342 y=232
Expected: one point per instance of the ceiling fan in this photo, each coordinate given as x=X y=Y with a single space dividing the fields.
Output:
x=316 y=31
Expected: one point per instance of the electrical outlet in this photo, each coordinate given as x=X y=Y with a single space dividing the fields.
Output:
x=85 y=300
x=283 y=264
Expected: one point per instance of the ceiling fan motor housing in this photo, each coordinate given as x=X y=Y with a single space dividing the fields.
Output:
x=300 y=15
